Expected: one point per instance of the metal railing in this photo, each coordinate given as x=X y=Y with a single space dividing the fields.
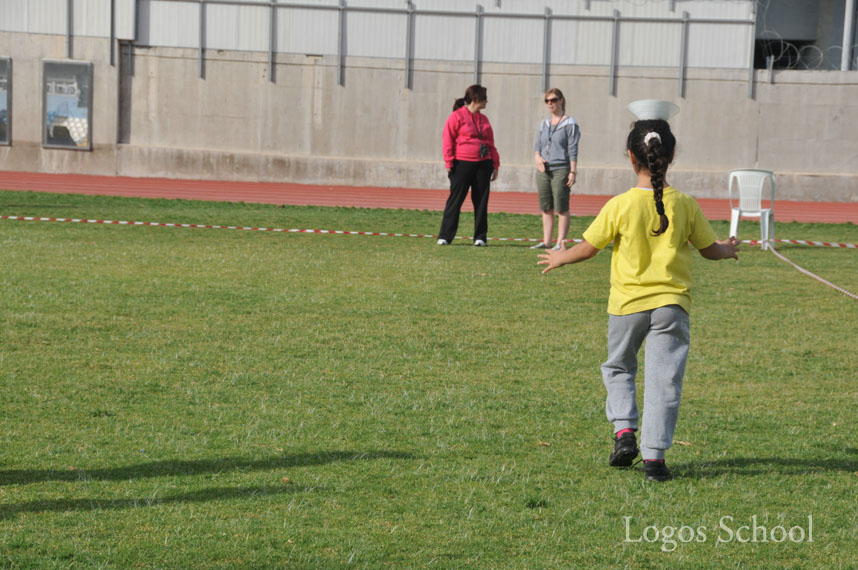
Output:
x=410 y=12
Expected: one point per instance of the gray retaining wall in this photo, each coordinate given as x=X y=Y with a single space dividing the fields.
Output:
x=154 y=116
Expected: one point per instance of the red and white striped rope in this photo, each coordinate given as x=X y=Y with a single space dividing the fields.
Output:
x=203 y=226
x=351 y=233
x=354 y=233
x=803 y=242
x=246 y=228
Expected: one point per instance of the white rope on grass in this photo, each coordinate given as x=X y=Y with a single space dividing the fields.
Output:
x=813 y=275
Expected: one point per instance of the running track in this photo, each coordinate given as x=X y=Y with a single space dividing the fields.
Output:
x=366 y=197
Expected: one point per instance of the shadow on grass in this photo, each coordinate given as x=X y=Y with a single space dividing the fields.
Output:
x=201 y=496
x=193 y=467
x=765 y=466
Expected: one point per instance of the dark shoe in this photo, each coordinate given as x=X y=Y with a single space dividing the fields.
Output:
x=625 y=450
x=656 y=471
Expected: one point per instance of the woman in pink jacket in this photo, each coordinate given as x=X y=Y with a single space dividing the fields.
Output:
x=472 y=162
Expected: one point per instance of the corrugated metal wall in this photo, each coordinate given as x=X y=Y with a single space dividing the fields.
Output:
x=518 y=38
x=33 y=16
x=307 y=31
x=89 y=17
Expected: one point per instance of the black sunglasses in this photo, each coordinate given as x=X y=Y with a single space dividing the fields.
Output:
x=552 y=100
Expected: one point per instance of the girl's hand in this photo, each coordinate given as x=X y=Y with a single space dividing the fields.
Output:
x=551 y=259
x=571 y=180
x=722 y=249
x=494 y=175
x=540 y=164
x=731 y=247
x=557 y=258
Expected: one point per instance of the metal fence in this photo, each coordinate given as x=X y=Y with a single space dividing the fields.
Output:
x=600 y=33
x=479 y=16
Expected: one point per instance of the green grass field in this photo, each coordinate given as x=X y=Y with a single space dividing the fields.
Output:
x=192 y=398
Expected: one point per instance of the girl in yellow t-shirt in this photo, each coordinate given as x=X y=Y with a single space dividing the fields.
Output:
x=650 y=227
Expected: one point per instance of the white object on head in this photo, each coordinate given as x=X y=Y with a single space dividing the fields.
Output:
x=651 y=135
x=649 y=109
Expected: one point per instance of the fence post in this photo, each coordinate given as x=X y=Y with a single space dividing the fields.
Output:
x=683 y=54
x=409 y=39
x=202 y=64
x=136 y=36
x=69 y=27
x=112 y=33
x=615 y=41
x=478 y=43
x=848 y=36
x=546 y=48
x=272 y=39
x=753 y=34
x=341 y=36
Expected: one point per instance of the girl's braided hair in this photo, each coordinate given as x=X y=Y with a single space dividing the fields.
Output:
x=652 y=144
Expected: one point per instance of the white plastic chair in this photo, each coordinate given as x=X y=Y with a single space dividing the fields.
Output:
x=749 y=203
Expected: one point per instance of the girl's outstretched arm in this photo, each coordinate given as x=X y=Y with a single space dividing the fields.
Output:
x=722 y=249
x=554 y=259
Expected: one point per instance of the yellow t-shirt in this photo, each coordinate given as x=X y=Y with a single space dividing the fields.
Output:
x=650 y=271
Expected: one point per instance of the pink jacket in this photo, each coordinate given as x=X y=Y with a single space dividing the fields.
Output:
x=461 y=140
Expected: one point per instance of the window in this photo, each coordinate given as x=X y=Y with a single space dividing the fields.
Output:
x=67 y=105
x=5 y=101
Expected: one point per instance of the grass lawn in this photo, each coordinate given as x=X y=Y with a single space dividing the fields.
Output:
x=192 y=398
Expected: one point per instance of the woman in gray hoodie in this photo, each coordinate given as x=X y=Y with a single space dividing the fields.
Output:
x=556 y=156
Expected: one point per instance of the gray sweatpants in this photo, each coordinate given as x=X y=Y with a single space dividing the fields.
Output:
x=667 y=334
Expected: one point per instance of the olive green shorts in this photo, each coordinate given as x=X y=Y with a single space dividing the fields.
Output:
x=553 y=192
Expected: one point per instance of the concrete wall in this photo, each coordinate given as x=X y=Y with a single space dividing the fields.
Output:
x=303 y=127
x=25 y=152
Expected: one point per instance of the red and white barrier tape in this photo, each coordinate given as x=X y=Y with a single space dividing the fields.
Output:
x=246 y=228
x=352 y=233
x=803 y=242
x=202 y=226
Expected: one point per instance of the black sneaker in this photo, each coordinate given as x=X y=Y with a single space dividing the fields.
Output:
x=625 y=450
x=656 y=471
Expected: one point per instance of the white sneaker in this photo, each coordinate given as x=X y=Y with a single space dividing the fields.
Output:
x=557 y=246
x=479 y=243
x=442 y=242
x=540 y=245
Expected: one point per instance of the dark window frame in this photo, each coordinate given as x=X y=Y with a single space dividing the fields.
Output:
x=6 y=112
x=69 y=83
